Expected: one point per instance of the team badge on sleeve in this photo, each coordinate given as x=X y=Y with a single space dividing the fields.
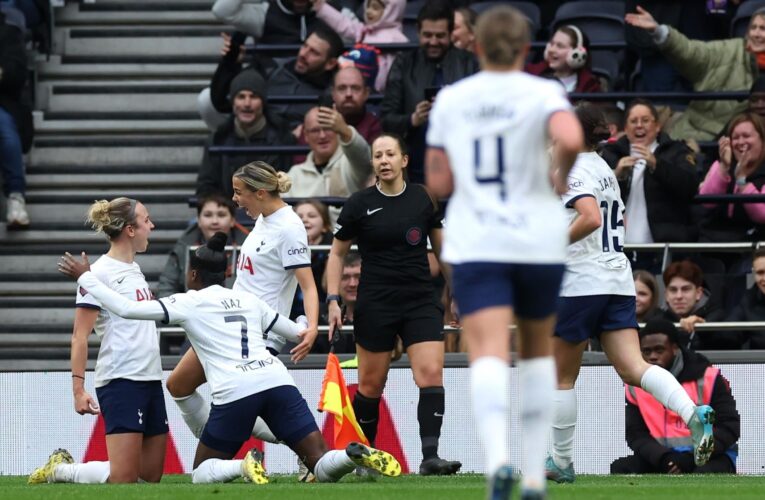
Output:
x=83 y=292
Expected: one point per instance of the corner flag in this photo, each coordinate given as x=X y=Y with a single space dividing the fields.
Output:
x=335 y=400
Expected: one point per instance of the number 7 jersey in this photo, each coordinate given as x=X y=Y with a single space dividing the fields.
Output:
x=596 y=264
x=493 y=127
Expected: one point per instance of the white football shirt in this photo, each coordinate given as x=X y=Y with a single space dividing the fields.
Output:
x=129 y=348
x=493 y=127
x=228 y=330
x=596 y=264
x=277 y=245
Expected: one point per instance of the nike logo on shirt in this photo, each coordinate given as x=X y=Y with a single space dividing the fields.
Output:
x=120 y=281
x=370 y=212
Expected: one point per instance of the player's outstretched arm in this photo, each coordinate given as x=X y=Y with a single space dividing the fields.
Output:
x=113 y=301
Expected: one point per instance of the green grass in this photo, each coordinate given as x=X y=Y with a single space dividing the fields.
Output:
x=463 y=486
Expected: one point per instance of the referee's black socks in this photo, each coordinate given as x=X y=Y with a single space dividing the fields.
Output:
x=430 y=415
x=367 y=412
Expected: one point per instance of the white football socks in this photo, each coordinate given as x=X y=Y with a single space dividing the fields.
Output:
x=537 y=382
x=215 y=470
x=667 y=390
x=195 y=412
x=563 y=427
x=261 y=431
x=87 y=473
x=332 y=466
x=489 y=380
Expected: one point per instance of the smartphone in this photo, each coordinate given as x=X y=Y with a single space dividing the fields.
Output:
x=430 y=93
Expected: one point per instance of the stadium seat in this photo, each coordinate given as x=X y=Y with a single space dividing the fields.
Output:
x=740 y=21
x=605 y=65
x=412 y=9
x=528 y=9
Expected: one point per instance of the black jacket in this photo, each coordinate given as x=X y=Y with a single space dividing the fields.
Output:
x=711 y=311
x=727 y=427
x=410 y=74
x=751 y=308
x=216 y=169
x=14 y=76
x=669 y=189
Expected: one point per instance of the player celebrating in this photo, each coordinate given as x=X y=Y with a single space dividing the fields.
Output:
x=128 y=369
x=505 y=232
x=598 y=298
x=273 y=260
x=228 y=329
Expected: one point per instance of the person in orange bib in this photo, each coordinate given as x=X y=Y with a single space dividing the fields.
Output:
x=659 y=438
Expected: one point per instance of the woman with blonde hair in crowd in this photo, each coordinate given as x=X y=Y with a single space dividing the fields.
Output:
x=128 y=375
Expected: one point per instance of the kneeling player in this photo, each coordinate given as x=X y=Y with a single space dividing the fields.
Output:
x=227 y=329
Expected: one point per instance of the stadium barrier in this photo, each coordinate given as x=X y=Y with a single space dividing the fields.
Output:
x=30 y=400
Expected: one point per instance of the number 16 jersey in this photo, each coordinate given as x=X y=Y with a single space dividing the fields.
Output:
x=494 y=129
x=596 y=264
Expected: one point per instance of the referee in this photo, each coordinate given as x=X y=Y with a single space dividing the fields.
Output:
x=391 y=222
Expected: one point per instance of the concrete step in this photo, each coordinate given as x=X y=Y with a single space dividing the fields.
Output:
x=62 y=316
x=167 y=42
x=115 y=115
x=74 y=238
x=108 y=151
x=75 y=212
x=45 y=264
x=147 y=196
x=47 y=289
x=113 y=169
x=113 y=181
x=83 y=14
x=122 y=96
x=38 y=341
x=55 y=69
x=127 y=127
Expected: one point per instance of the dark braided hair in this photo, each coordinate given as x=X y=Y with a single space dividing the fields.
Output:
x=210 y=261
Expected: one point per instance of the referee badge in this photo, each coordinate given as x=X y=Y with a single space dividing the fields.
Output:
x=414 y=236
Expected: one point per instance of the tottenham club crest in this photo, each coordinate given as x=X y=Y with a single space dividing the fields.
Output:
x=414 y=236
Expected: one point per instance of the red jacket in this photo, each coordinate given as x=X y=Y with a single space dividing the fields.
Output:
x=586 y=80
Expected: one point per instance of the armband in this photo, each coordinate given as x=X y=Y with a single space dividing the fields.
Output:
x=332 y=297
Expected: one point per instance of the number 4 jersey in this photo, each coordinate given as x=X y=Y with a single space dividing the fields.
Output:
x=596 y=264
x=494 y=129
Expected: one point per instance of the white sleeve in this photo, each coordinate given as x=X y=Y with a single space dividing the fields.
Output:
x=177 y=308
x=294 y=250
x=248 y=17
x=113 y=301
x=578 y=186
x=283 y=326
x=556 y=100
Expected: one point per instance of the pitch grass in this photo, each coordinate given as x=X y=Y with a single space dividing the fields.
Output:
x=463 y=486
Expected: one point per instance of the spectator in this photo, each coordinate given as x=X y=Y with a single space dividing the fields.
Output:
x=740 y=170
x=752 y=305
x=689 y=303
x=660 y=440
x=16 y=130
x=349 y=288
x=646 y=295
x=289 y=21
x=349 y=97
x=382 y=24
x=339 y=163
x=721 y=65
x=215 y=213
x=248 y=125
x=464 y=25
x=566 y=58
x=757 y=97
x=309 y=74
x=657 y=178
x=417 y=75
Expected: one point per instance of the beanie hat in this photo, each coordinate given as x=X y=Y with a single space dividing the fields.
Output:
x=248 y=79
x=363 y=57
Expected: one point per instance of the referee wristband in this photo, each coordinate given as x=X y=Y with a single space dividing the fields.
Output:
x=330 y=298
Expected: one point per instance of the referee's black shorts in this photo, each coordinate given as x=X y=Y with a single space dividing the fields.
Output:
x=411 y=313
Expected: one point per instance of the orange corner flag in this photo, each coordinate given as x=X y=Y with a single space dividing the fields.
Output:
x=336 y=400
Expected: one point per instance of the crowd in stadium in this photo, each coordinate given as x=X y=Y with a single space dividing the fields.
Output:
x=346 y=112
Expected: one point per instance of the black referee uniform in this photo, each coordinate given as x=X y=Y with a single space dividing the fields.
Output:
x=395 y=295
